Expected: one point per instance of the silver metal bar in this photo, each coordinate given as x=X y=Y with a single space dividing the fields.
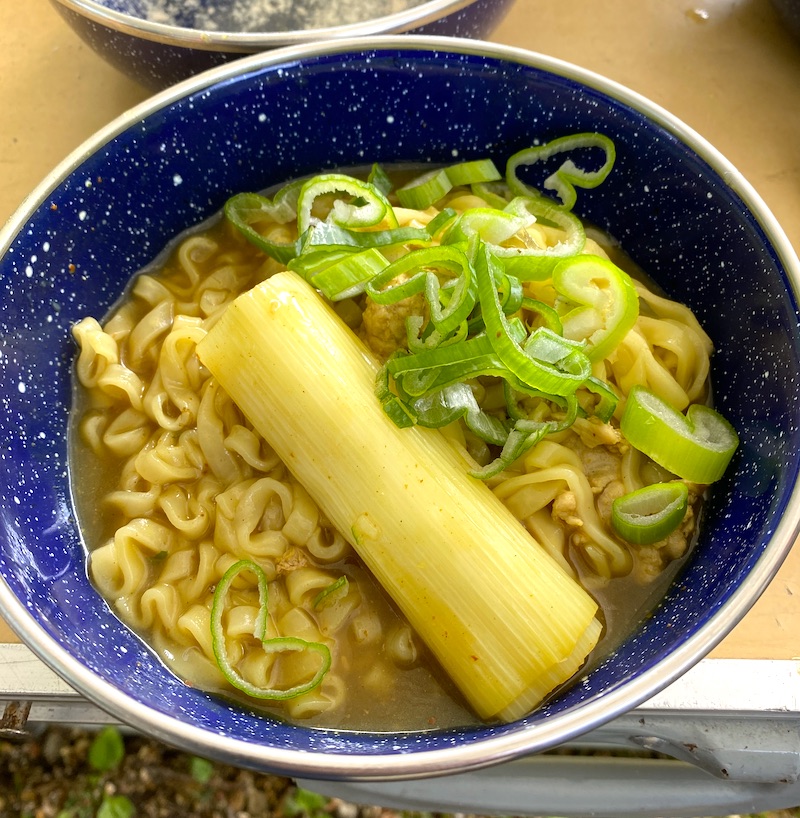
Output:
x=573 y=787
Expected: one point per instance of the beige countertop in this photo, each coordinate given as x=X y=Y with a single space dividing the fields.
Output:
x=725 y=67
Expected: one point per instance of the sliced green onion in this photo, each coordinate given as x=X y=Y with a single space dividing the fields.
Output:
x=425 y=190
x=650 y=514
x=367 y=208
x=443 y=365
x=440 y=221
x=349 y=275
x=246 y=209
x=433 y=185
x=606 y=398
x=425 y=265
x=280 y=644
x=495 y=194
x=327 y=237
x=547 y=315
x=477 y=171
x=568 y=176
x=697 y=446
x=380 y=179
x=421 y=336
x=607 y=303
x=456 y=401
x=538 y=263
x=492 y=226
x=332 y=593
x=397 y=409
x=314 y=261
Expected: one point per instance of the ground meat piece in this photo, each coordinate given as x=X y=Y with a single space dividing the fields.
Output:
x=292 y=559
x=613 y=489
x=602 y=464
x=648 y=565
x=675 y=545
x=384 y=325
x=564 y=507
x=594 y=432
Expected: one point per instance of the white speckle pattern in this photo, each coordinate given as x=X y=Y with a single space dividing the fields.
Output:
x=677 y=217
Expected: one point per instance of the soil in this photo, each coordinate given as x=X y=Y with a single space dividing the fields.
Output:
x=64 y=772
x=53 y=775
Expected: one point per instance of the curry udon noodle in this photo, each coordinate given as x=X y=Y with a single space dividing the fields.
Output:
x=255 y=413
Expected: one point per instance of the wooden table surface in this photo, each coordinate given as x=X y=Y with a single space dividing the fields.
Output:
x=727 y=68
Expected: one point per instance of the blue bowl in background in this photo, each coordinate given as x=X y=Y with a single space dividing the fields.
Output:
x=676 y=205
x=159 y=42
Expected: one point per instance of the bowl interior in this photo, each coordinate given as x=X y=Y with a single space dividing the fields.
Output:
x=259 y=124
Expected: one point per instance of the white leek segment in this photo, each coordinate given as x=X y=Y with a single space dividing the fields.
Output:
x=503 y=619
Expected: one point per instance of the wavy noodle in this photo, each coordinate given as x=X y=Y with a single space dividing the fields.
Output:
x=402 y=647
x=191 y=257
x=93 y=428
x=205 y=576
x=170 y=458
x=252 y=449
x=142 y=342
x=634 y=362
x=194 y=625
x=160 y=607
x=127 y=433
x=216 y=416
x=548 y=467
x=680 y=351
x=305 y=584
x=328 y=696
x=179 y=367
x=191 y=513
x=327 y=545
x=98 y=351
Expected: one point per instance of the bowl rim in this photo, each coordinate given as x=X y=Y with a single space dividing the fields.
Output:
x=423 y=13
x=487 y=751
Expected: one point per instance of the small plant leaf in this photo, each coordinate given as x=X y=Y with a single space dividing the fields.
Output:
x=201 y=769
x=302 y=803
x=116 y=806
x=107 y=750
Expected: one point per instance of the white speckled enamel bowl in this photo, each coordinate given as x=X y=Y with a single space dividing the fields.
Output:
x=679 y=208
x=185 y=38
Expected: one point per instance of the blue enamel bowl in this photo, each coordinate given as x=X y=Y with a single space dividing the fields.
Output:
x=678 y=207
x=159 y=42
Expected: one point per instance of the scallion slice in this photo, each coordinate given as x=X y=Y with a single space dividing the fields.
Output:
x=425 y=190
x=347 y=276
x=280 y=644
x=606 y=304
x=568 y=176
x=247 y=209
x=696 y=446
x=538 y=263
x=418 y=272
x=477 y=171
x=650 y=514
x=332 y=593
x=491 y=225
x=433 y=185
x=366 y=206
